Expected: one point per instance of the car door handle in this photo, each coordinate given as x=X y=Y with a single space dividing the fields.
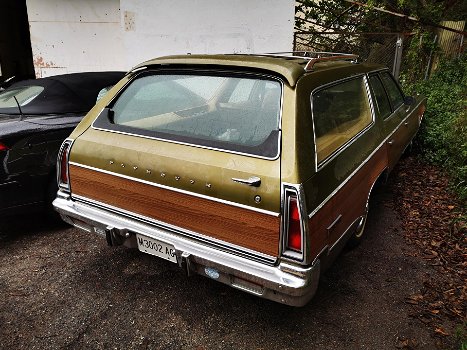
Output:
x=406 y=123
x=390 y=143
x=254 y=181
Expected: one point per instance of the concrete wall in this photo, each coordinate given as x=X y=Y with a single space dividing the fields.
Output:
x=89 y=35
x=75 y=36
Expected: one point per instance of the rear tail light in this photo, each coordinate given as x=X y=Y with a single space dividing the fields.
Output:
x=3 y=147
x=294 y=233
x=62 y=166
x=293 y=245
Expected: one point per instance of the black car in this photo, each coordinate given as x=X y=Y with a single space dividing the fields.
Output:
x=35 y=117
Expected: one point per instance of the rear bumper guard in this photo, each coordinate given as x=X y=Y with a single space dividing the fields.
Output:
x=284 y=282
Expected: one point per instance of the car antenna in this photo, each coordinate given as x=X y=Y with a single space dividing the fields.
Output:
x=19 y=107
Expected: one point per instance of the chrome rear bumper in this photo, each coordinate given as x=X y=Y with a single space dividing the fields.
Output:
x=283 y=282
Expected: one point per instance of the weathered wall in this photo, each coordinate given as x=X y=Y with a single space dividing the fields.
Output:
x=87 y=35
x=154 y=28
x=75 y=36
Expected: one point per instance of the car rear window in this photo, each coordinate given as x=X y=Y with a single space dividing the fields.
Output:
x=237 y=113
x=340 y=112
x=24 y=95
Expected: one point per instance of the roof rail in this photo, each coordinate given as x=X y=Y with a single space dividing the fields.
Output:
x=313 y=56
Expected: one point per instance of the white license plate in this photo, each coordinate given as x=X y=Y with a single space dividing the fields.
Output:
x=157 y=248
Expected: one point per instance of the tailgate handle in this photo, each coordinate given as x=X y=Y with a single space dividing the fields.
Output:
x=254 y=181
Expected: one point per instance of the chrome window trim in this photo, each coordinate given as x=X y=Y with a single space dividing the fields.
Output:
x=345 y=145
x=223 y=201
x=279 y=138
x=377 y=76
x=217 y=243
x=200 y=70
x=343 y=183
x=378 y=73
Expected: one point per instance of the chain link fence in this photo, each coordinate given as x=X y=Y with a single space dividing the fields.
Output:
x=426 y=48
x=381 y=48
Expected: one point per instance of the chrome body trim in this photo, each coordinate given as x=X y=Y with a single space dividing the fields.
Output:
x=324 y=252
x=232 y=248
x=334 y=223
x=223 y=201
x=284 y=282
x=359 y=222
x=279 y=138
x=134 y=70
x=338 y=188
x=344 y=237
x=303 y=256
x=68 y=142
x=272 y=77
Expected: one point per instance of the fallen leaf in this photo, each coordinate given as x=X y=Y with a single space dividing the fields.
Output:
x=436 y=304
x=416 y=297
x=441 y=331
x=402 y=343
x=428 y=257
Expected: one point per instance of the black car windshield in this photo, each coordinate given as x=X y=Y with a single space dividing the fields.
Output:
x=210 y=110
x=23 y=94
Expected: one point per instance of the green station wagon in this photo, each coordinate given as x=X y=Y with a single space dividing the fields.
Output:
x=253 y=170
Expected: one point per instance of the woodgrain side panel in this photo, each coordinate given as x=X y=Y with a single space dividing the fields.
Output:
x=348 y=203
x=239 y=226
x=350 y=200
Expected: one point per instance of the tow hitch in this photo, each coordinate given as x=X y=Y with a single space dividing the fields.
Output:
x=116 y=236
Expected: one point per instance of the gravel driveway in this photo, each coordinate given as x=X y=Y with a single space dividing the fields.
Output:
x=64 y=288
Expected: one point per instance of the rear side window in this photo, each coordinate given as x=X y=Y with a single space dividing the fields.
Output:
x=340 y=112
x=395 y=95
x=382 y=102
x=220 y=111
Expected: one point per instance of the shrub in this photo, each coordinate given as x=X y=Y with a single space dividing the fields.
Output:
x=443 y=135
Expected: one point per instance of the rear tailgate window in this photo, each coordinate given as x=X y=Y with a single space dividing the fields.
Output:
x=225 y=111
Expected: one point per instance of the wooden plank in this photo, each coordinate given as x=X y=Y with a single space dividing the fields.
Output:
x=239 y=226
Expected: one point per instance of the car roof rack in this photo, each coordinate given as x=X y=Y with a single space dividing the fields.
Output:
x=313 y=57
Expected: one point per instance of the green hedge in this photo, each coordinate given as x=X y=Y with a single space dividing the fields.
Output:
x=442 y=138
